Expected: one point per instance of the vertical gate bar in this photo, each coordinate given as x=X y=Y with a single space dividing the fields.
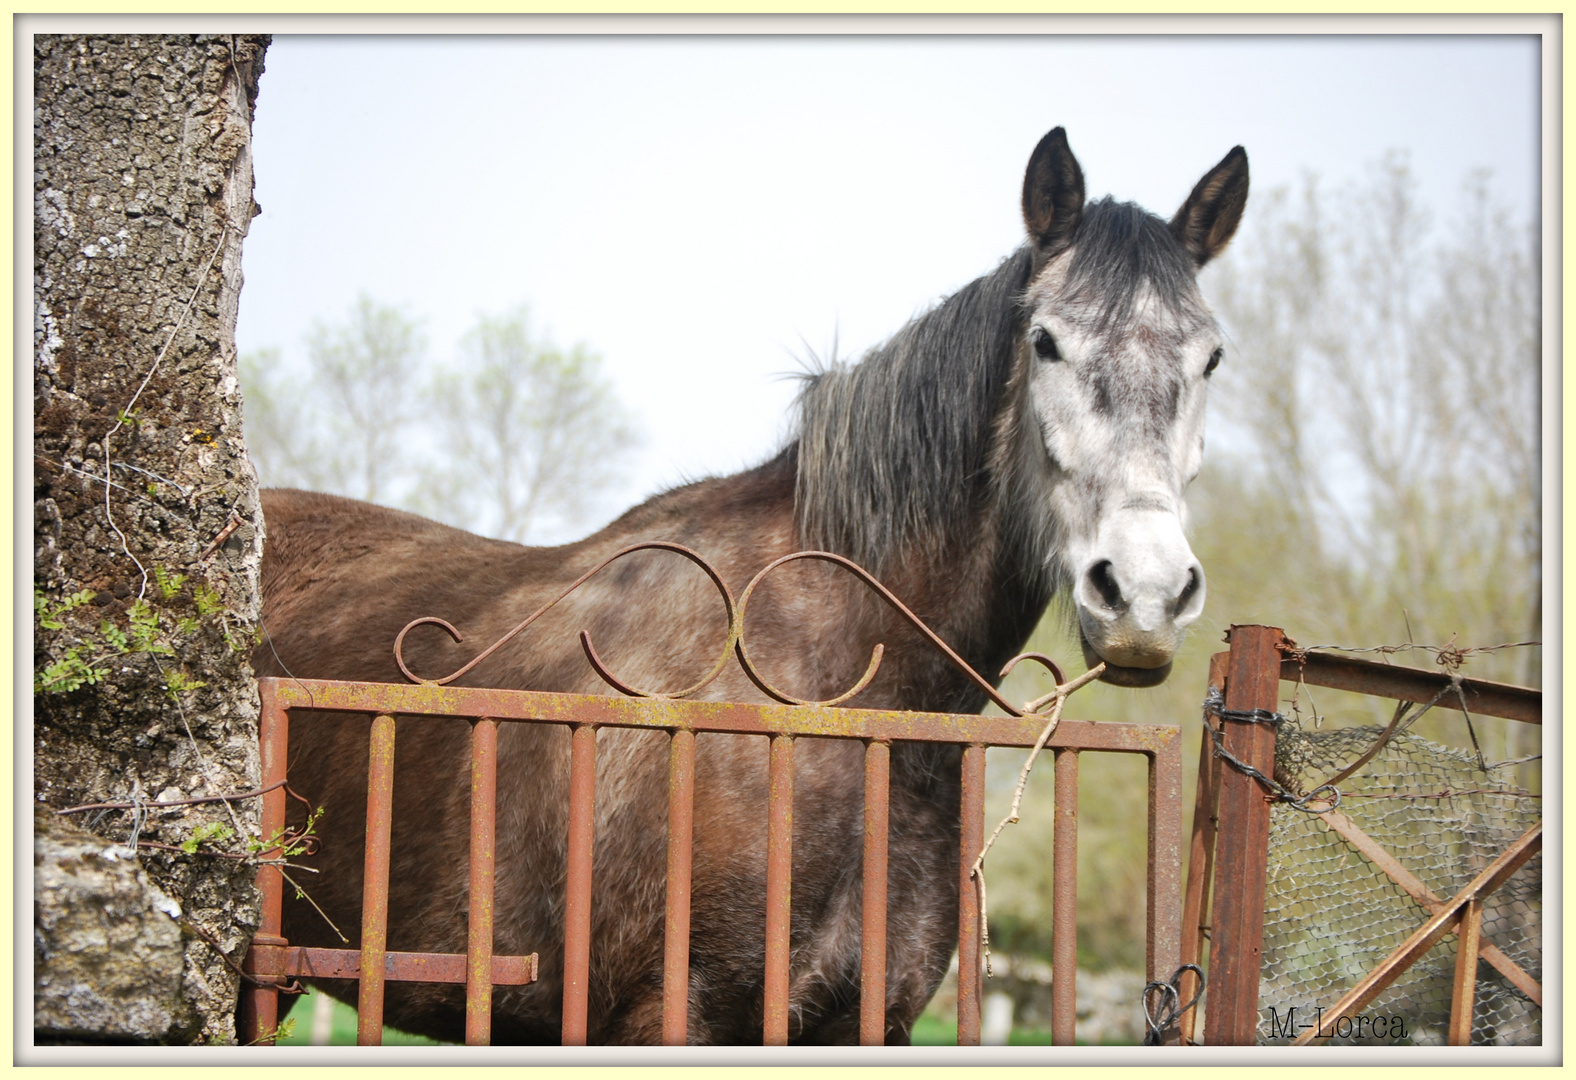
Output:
x=1164 y=923
x=484 y=828
x=260 y=1005
x=1242 y=849
x=1064 y=900
x=1469 y=937
x=577 y=892
x=779 y=887
x=873 y=936
x=1201 y=858
x=375 y=883
x=681 y=836
x=972 y=814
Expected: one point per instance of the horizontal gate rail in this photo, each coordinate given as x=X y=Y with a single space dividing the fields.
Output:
x=584 y=714
x=290 y=961
x=1412 y=684
x=738 y=718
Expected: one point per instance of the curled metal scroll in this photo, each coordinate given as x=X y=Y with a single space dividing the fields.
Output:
x=1058 y=680
x=875 y=654
x=585 y=637
x=735 y=641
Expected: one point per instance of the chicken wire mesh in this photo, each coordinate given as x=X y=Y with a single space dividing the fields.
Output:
x=1331 y=915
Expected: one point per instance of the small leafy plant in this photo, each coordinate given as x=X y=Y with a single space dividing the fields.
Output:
x=290 y=844
x=169 y=584
x=215 y=832
x=84 y=655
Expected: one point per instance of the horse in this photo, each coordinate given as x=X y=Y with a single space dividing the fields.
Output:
x=1030 y=436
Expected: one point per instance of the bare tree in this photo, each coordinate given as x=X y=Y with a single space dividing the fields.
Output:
x=1483 y=328
x=1388 y=389
x=282 y=430
x=344 y=429
x=367 y=373
x=532 y=434
x=518 y=440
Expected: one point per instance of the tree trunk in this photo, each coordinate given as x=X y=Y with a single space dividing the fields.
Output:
x=147 y=527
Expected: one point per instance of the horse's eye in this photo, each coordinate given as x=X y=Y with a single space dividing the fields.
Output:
x=1214 y=361
x=1044 y=344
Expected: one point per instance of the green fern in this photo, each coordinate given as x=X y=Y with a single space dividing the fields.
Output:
x=207 y=599
x=169 y=584
x=49 y=614
x=70 y=672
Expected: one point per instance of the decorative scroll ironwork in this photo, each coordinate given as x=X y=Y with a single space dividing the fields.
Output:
x=607 y=676
x=735 y=643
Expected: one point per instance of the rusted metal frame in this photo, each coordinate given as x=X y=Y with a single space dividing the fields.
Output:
x=873 y=932
x=1443 y=922
x=1413 y=684
x=676 y=942
x=577 y=890
x=260 y=1004
x=1237 y=935
x=375 y=882
x=1200 y=863
x=584 y=712
x=1163 y=929
x=294 y=961
x=479 y=934
x=779 y=888
x=972 y=836
x=1064 y=901
x=1344 y=827
x=730 y=717
x=1469 y=935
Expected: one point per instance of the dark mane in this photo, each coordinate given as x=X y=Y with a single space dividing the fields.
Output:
x=890 y=449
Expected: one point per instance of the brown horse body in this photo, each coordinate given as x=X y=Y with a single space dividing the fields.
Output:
x=973 y=549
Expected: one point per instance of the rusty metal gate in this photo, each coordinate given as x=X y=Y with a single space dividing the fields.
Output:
x=272 y=957
x=1239 y=782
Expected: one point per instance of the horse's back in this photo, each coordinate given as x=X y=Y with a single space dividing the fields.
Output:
x=341 y=578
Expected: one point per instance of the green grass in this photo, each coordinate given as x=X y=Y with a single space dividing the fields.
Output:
x=928 y=1030
x=344 y=1027
x=934 y=1031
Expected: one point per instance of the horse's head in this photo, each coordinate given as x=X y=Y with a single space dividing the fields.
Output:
x=1120 y=346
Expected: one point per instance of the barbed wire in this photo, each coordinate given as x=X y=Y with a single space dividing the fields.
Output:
x=1449 y=655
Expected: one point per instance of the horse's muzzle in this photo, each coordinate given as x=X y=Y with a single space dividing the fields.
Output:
x=1137 y=592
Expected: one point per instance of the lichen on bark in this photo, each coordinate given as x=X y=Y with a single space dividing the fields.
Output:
x=143 y=624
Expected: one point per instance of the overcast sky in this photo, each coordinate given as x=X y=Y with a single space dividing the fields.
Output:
x=703 y=212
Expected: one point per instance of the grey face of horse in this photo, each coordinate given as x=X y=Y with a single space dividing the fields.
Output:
x=1120 y=346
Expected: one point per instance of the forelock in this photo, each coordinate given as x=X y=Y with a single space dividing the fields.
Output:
x=1121 y=253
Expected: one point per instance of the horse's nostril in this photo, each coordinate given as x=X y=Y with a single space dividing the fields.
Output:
x=1194 y=580
x=1104 y=581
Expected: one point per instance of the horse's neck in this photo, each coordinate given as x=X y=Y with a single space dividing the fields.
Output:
x=973 y=591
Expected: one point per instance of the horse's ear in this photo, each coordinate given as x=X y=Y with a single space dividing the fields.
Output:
x=1053 y=194
x=1210 y=216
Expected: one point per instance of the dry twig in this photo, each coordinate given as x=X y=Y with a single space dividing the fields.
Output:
x=1056 y=698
